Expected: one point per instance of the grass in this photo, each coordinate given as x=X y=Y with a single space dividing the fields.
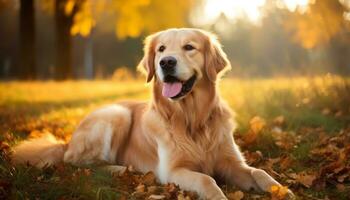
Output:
x=312 y=109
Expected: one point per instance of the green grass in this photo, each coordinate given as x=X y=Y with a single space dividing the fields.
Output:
x=313 y=108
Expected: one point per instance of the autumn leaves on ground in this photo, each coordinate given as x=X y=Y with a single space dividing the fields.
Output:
x=296 y=129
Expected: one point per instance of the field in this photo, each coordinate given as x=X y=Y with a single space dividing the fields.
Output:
x=297 y=129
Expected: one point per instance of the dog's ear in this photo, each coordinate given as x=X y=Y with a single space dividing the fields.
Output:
x=146 y=65
x=216 y=62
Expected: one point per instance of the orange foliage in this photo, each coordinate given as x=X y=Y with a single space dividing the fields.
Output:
x=83 y=19
x=321 y=22
x=136 y=17
x=132 y=18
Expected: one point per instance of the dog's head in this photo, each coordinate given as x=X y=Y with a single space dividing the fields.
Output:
x=179 y=58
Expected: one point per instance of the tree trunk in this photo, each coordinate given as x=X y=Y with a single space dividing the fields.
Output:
x=63 y=68
x=27 y=68
x=88 y=58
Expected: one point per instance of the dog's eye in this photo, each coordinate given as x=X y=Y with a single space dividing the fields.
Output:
x=188 y=47
x=161 y=48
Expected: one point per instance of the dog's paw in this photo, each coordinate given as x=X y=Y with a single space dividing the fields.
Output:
x=265 y=182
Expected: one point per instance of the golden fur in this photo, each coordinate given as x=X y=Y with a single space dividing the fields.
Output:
x=185 y=141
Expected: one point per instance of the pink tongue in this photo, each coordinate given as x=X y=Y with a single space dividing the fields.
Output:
x=171 y=89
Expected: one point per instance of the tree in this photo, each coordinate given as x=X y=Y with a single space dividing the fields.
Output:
x=63 y=24
x=132 y=18
x=319 y=24
x=27 y=68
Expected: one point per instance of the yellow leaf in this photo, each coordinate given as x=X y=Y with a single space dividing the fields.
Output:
x=83 y=20
x=257 y=124
x=238 y=195
x=278 y=192
x=68 y=8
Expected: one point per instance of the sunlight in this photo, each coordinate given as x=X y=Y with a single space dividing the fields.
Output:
x=292 y=5
x=232 y=9
x=251 y=9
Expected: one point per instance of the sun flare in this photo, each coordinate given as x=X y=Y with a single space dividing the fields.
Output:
x=233 y=9
x=249 y=9
x=292 y=5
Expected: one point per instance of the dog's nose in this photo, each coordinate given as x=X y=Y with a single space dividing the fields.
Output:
x=168 y=63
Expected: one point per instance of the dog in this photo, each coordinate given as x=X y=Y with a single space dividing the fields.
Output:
x=184 y=134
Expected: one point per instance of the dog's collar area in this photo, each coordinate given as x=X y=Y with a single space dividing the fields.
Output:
x=186 y=87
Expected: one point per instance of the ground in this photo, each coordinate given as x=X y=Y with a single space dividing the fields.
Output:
x=297 y=129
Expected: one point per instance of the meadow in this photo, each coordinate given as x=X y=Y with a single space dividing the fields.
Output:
x=297 y=129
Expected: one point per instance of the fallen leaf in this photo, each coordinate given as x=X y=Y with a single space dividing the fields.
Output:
x=131 y=168
x=279 y=120
x=257 y=124
x=250 y=137
x=149 y=178
x=35 y=134
x=181 y=197
x=326 y=111
x=306 y=179
x=238 y=195
x=171 y=187
x=342 y=177
x=156 y=197
x=152 y=189
x=341 y=187
x=278 y=192
x=140 y=188
x=338 y=114
x=253 y=157
x=87 y=172
x=285 y=162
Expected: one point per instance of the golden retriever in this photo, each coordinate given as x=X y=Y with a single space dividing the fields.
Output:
x=184 y=134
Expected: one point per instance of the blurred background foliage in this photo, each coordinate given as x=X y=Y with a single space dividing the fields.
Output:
x=86 y=39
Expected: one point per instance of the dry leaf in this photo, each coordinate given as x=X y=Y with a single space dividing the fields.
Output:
x=181 y=197
x=238 y=195
x=253 y=157
x=338 y=114
x=149 y=178
x=156 y=197
x=140 y=188
x=285 y=162
x=36 y=134
x=278 y=192
x=279 y=120
x=257 y=124
x=250 y=137
x=306 y=179
x=342 y=177
x=171 y=187
x=152 y=189
x=341 y=187
x=326 y=111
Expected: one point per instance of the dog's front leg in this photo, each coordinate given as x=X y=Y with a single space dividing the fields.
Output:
x=203 y=184
x=247 y=178
x=232 y=166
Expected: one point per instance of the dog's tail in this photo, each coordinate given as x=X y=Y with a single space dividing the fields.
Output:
x=45 y=150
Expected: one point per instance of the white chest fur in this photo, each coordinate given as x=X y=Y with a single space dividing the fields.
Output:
x=163 y=162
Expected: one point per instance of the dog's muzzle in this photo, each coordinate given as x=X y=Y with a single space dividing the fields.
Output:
x=174 y=88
